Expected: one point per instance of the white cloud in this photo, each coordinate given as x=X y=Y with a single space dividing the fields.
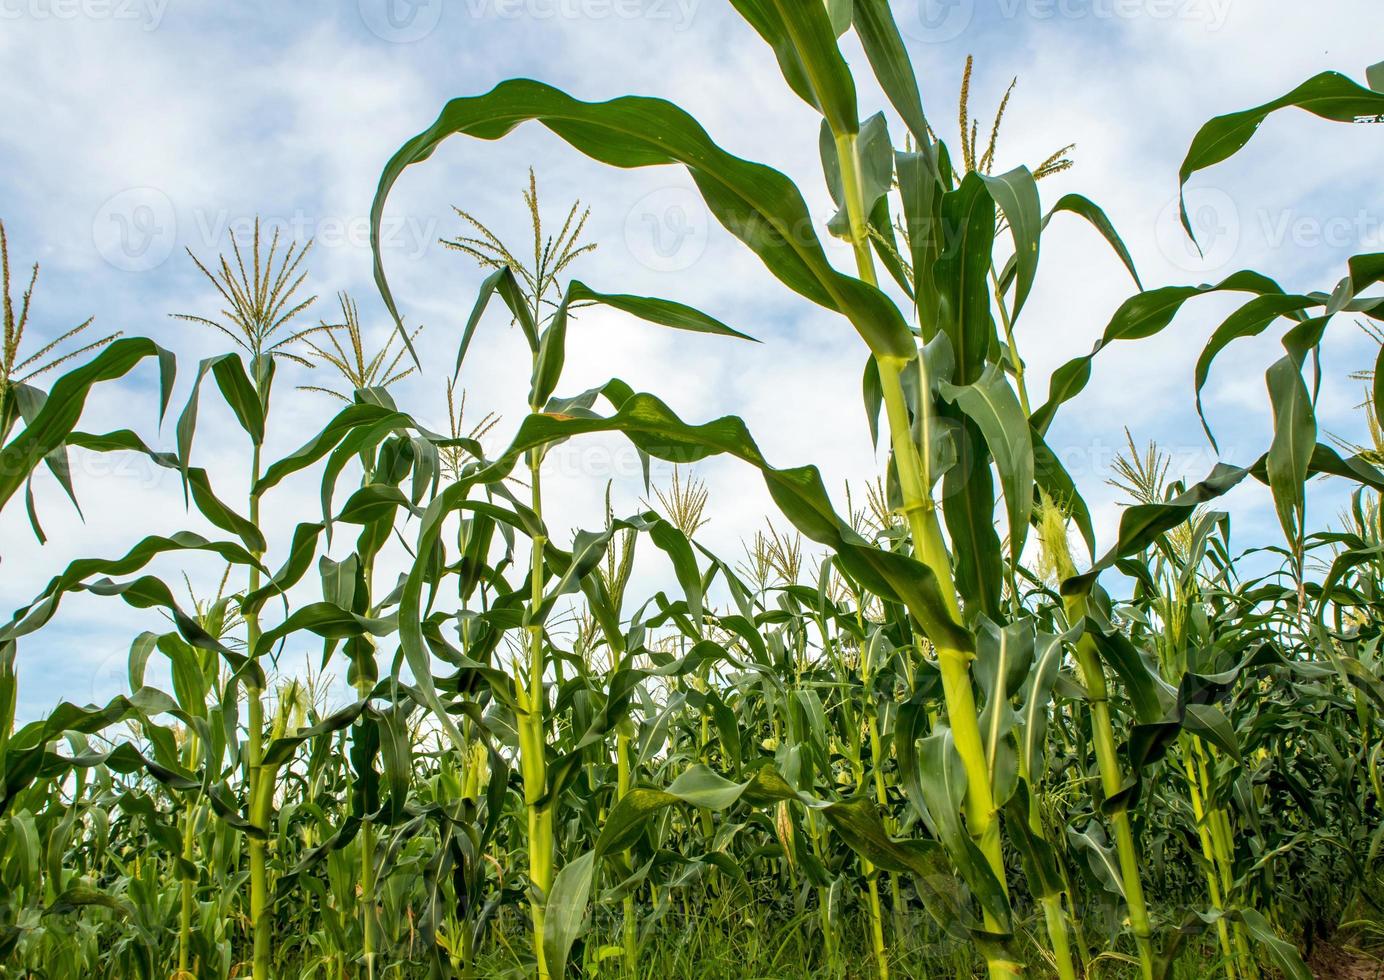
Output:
x=291 y=113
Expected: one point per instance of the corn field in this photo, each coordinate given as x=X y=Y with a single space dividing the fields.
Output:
x=927 y=725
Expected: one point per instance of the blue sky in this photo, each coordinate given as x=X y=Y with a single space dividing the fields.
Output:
x=136 y=128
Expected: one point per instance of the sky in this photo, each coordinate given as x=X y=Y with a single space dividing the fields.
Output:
x=136 y=130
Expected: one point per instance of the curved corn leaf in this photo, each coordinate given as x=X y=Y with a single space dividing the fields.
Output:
x=63 y=407
x=1329 y=95
x=757 y=204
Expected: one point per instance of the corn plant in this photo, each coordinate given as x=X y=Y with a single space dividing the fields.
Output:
x=910 y=732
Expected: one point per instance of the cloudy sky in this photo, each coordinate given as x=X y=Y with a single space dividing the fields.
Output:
x=136 y=129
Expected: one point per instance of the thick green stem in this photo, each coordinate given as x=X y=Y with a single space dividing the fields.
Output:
x=532 y=742
x=259 y=863
x=189 y=886
x=921 y=512
x=630 y=927
x=872 y=880
x=1054 y=918
x=1218 y=825
x=1056 y=923
x=848 y=156
x=1213 y=883
x=1112 y=783
x=369 y=924
x=254 y=753
x=367 y=896
x=622 y=774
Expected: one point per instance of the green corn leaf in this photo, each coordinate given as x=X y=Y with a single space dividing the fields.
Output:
x=968 y=505
x=803 y=38
x=80 y=895
x=348 y=419
x=565 y=910
x=1289 y=458
x=840 y=12
x=1377 y=384
x=240 y=395
x=757 y=204
x=1149 y=695
x=1138 y=317
x=876 y=167
x=1210 y=723
x=962 y=275
x=990 y=402
x=663 y=312
x=1284 y=955
x=675 y=545
x=29 y=401
x=63 y=407
x=1037 y=700
x=1038 y=856
x=921 y=194
x=1141 y=524
x=300 y=554
x=280 y=750
x=1250 y=320
x=1016 y=194
x=1100 y=857
x=1328 y=95
x=1085 y=208
x=879 y=36
x=944 y=788
x=552 y=346
x=503 y=281
x=38 y=612
x=327 y=620
x=204 y=498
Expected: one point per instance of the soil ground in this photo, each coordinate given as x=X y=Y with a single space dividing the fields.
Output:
x=1333 y=963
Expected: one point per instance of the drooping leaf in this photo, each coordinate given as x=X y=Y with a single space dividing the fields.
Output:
x=756 y=203
x=879 y=36
x=1016 y=193
x=1328 y=95
x=62 y=409
x=1138 y=317
x=803 y=38
x=1141 y=524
